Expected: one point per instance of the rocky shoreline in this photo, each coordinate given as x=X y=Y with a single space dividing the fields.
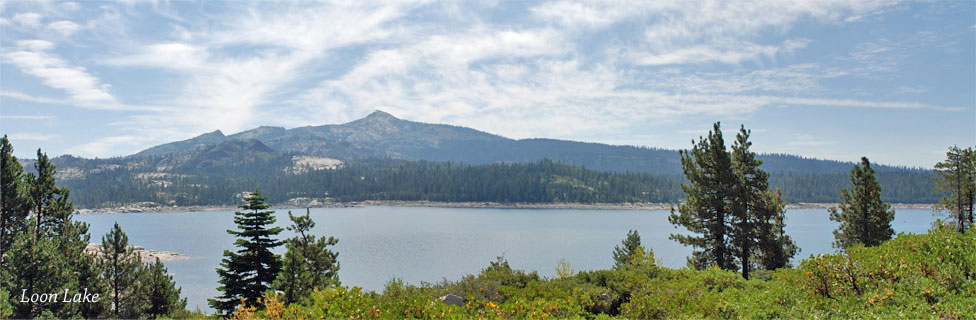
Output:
x=152 y=207
x=147 y=256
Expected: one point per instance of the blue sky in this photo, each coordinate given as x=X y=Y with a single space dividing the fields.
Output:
x=895 y=81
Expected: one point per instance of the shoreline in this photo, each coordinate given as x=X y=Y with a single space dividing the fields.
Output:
x=142 y=208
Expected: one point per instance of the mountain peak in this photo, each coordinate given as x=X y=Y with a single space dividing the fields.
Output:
x=215 y=133
x=380 y=114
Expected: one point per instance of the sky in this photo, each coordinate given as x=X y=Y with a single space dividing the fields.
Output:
x=893 y=81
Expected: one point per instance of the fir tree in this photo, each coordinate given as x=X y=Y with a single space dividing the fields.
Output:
x=161 y=295
x=624 y=254
x=14 y=205
x=120 y=265
x=956 y=176
x=708 y=168
x=863 y=218
x=308 y=263
x=248 y=272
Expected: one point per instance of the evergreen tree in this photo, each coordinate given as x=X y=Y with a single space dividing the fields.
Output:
x=748 y=189
x=729 y=203
x=863 y=218
x=622 y=256
x=34 y=266
x=120 y=265
x=757 y=213
x=248 y=272
x=309 y=263
x=295 y=280
x=161 y=295
x=47 y=254
x=14 y=205
x=775 y=247
x=708 y=168
x=956 y=176
x=48 y=201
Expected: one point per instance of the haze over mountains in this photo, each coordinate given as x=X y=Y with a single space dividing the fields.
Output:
x=381 y=135
x=381 y=157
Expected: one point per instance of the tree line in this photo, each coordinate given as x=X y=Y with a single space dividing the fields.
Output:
x=736 y=220
x=46 y=269
x=245 y=274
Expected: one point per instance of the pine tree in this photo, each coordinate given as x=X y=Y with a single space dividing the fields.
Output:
x=161 y=295
x=775 y=247
x=956 y=176
x=120 y=265
x=48 y=201
x=34 y=266
x=308 y=263
x=749 y=186
x=708 y=168
x=757 y=214
x=622 y=256
x=248 y=272
x=863 y=218
x=14 y=205
x=294 y=280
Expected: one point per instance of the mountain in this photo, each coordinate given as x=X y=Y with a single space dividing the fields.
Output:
x=385 y=158
x=381 y=135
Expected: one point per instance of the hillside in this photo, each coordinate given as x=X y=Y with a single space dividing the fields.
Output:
x=381 y=135
x=381 y=157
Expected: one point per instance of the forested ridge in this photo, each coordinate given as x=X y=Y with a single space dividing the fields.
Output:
x=539 y=182
x=544 y=181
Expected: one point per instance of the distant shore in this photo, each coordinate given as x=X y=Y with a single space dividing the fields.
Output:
x=144 y=207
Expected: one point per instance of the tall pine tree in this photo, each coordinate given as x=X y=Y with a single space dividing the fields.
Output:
x=120 y=265
x=863 y=218
x=14 y=205
x=708 y=168
x=740 y=221
x=956 y=176
x=248 y=272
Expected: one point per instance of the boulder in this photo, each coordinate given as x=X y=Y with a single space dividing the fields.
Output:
x=451 y=299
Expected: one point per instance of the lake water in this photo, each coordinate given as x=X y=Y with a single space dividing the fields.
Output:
x=418 y=244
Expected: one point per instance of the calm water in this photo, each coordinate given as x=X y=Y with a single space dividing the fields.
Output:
x=377 y=244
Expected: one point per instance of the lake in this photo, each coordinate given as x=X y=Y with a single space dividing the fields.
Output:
x=418 y=244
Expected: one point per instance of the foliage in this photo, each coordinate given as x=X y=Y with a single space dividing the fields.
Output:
x=912 y=276
x=863 y=218
x=161 y=295
x=731 y=212
x=956 y=177
x=308 y=261
x=705 y=212
x=14 y=208
x=251 y=270
x=46 y=253
x=622 y=256
x=120 y=265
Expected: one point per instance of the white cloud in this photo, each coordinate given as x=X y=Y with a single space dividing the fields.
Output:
x=64 y=27
x=28 y=19
x=25 y=97
x=109 y=146
x=731 y=55
x=31 y=137
x=26 y=117
x=32 y=58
